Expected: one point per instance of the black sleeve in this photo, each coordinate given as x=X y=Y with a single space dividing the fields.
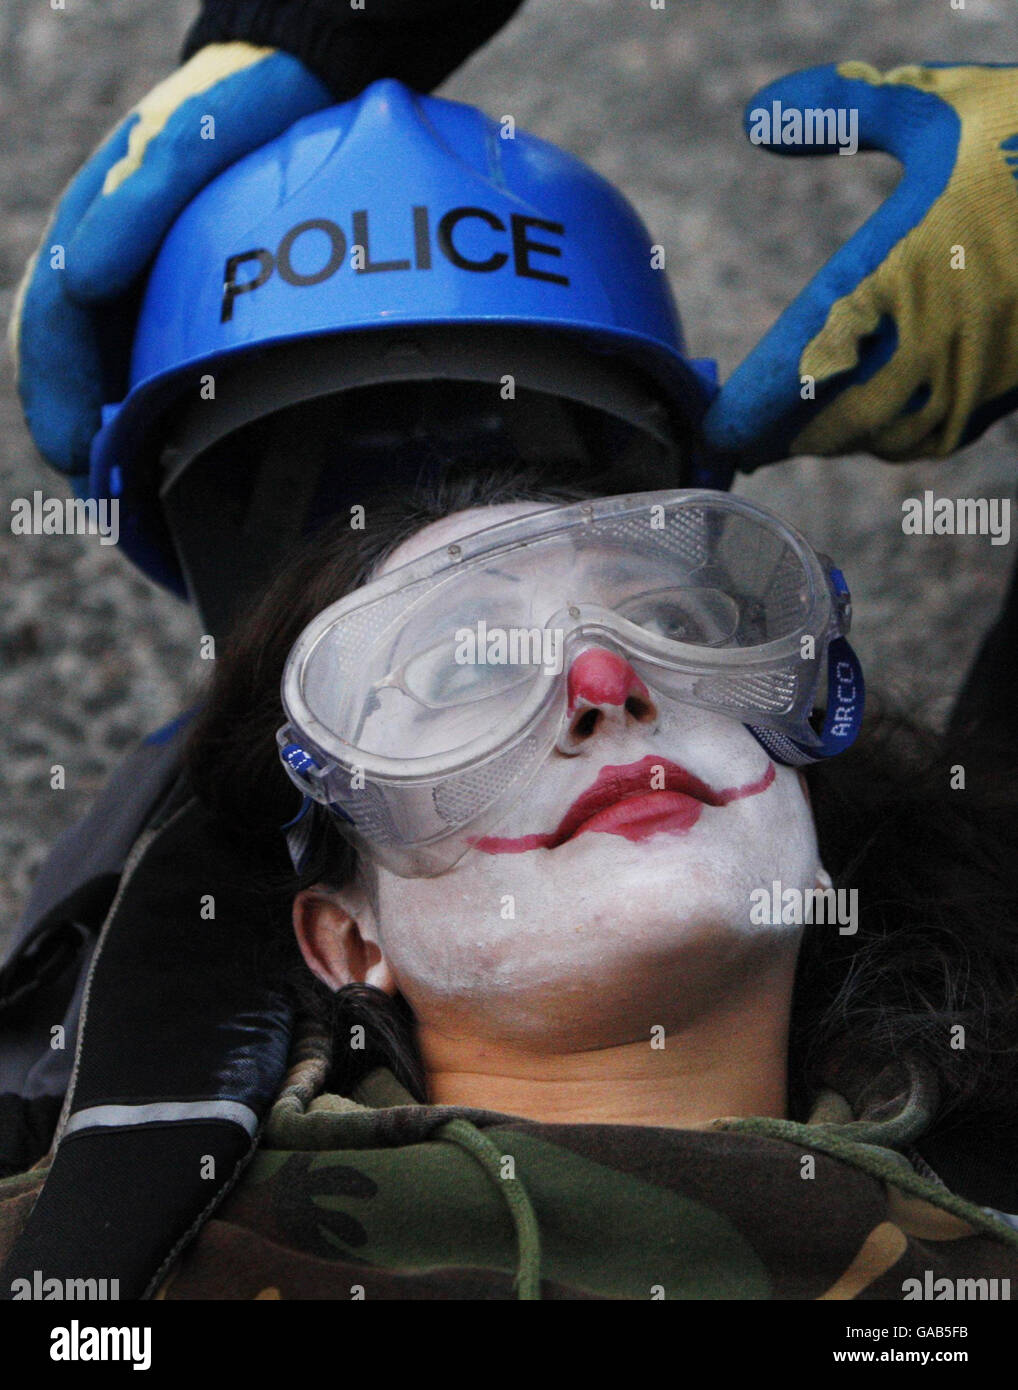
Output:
x=418 y=41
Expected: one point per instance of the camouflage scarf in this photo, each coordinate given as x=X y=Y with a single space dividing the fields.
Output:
x=377 y=1196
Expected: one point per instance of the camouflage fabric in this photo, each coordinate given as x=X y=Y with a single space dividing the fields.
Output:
x=376 y=1196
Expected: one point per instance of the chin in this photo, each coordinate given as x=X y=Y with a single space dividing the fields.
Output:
x=665 y=856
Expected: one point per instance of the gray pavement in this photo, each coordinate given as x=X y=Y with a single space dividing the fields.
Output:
x=92 y=656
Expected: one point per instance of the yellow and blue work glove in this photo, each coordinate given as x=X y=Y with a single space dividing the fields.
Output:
x=905 y=344
x=74 y=312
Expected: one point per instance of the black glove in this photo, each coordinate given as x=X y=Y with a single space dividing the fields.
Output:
x=420 y=42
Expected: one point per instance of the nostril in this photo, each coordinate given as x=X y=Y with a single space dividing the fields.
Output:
x=641 y=710
x=586 y=724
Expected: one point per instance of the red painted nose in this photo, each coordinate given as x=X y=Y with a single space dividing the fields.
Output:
x=603 y=690
x=600 y=677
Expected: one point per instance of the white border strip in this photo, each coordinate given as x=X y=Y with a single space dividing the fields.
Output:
x=162 y=1112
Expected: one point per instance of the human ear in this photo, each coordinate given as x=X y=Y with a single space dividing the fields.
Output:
x=338 y=938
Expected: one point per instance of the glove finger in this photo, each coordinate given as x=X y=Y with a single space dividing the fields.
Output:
x=168 y=159
x=987 y=414
x=50 y=256
x=891 y=404
x=850 y=105
x=859 y=337
x=952 y=414
x=61 y=372
x=760 y=409
x=61 y=359
x=797 y=368
x=910 y=437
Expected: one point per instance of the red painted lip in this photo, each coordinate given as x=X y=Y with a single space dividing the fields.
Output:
x=623 y=801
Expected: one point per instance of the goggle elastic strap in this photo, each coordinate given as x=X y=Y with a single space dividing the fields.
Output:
x=298 y=830
x=846 y=697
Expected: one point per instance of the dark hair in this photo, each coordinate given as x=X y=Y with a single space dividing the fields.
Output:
x=925 y=828
x=935 y=865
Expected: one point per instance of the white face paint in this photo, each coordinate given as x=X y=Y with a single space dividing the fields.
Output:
x=642 y=918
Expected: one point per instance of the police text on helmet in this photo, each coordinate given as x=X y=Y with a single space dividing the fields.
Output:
x=502 y=245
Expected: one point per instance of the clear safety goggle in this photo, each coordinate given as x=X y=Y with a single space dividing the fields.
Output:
x=420 y=706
